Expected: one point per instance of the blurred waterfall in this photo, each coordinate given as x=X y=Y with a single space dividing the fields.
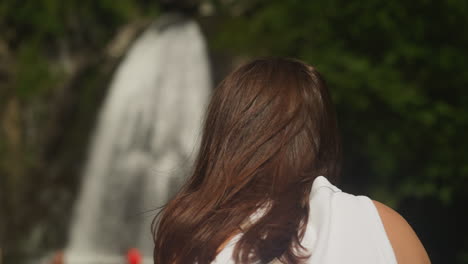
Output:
x=143 y=144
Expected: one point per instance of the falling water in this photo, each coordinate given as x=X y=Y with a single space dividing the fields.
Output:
x=143 y=144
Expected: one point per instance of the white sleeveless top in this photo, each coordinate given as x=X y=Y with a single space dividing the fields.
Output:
x=342 y=228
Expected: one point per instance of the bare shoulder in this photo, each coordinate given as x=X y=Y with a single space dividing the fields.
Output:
x=406 y=244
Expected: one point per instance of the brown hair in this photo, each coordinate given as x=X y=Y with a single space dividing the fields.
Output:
x=270 y=130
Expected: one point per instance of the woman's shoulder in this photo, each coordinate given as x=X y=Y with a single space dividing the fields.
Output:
x=343 y=227
x=406 y=244
x=365 y=223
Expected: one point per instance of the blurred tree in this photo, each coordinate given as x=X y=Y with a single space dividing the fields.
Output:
x=397 y=67
x=397 y=74
x=55 y=57
x=396 y=70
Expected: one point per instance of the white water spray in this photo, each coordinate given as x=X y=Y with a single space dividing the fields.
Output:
x=144 y=142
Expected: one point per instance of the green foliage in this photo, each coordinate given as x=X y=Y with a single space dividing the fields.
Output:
x=395 y=69
x=397 y=73
x=45 y=48
x=36 y=32
x=34 y=77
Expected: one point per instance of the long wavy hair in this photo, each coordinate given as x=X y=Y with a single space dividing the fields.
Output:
x=270 y=130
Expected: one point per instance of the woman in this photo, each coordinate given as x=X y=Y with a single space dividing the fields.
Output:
x=256 y=194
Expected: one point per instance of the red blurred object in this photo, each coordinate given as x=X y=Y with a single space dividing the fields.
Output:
x=133 y=256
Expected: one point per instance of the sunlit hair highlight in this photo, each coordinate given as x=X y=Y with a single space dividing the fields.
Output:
x=270 y=130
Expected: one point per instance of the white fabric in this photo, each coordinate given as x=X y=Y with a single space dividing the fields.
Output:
x=342 y=228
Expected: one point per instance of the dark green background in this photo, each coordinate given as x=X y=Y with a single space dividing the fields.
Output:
x=397 y=71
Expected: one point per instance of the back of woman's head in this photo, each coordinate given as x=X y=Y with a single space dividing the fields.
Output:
x=270 y=130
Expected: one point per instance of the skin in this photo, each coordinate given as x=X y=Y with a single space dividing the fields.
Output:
x=406 y=244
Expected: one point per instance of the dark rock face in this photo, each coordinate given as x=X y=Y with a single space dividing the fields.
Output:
x=188 y=7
